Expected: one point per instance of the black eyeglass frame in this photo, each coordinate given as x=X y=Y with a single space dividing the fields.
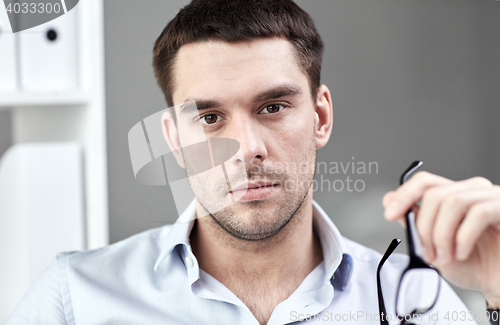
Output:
x=416 y=261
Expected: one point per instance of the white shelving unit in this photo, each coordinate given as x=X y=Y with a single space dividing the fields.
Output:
x=19 y=98
x=77 y=115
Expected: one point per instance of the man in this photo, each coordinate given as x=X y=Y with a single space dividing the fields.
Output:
x=271 y=256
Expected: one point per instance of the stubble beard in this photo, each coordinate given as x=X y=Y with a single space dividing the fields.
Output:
x=259 y=220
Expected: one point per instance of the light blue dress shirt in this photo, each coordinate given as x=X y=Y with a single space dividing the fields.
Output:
x=154 y=278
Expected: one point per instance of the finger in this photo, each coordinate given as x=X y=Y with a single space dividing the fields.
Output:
x=411 y=192
x=477 y=220
x=388 y=198
x=402 y=221
x=416 y=209
x=451 y=213
x=431 y=202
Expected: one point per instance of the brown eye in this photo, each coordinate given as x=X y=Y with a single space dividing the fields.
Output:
x=274 y=108
x=210 y=119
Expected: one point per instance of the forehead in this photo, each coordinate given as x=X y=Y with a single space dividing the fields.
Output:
x=225 y=70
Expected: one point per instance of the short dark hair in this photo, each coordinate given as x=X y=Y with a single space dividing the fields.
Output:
x=234 y=21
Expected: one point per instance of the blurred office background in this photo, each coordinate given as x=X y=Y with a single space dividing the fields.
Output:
x=409 y=80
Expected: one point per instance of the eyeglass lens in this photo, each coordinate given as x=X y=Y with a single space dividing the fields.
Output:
x=417 y=291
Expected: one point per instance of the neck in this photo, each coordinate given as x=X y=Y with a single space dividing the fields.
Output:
x=294 y=251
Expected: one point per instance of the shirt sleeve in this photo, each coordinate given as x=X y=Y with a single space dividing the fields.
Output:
x=43 y=303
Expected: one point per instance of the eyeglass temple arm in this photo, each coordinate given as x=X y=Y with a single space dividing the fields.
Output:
x=411 y=246
x=381 y=305
x=404 y=177
x=409 y=171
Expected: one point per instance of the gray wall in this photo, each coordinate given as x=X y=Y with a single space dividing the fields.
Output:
x=131 y=28
x=5 y=131
x=410 y=80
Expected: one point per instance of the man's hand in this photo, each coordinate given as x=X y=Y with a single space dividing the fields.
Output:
x=459 y=225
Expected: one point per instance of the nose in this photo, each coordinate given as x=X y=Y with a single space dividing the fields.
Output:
x=250 y=135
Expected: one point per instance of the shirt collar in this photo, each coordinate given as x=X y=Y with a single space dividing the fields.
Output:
x=330 y=238
x=338 y=264
x=178 y=233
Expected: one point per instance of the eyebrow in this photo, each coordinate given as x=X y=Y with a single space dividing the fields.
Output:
x=200 y=104
x=272 y=93
x=278 y=92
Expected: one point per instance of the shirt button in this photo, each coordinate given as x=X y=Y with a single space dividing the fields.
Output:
x=189 y=261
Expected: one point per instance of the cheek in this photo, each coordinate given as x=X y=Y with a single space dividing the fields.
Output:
x=190 y=133
x=294 y=139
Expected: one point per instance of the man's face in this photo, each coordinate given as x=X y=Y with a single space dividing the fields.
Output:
x=256 y=93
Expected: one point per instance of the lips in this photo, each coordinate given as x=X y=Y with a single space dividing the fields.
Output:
x=246 y=186
x=254 y=191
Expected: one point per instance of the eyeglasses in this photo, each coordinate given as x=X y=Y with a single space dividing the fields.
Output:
x=420 y=283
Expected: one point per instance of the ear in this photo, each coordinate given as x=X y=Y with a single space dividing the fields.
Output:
x=171 y=135
x=323 y=117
